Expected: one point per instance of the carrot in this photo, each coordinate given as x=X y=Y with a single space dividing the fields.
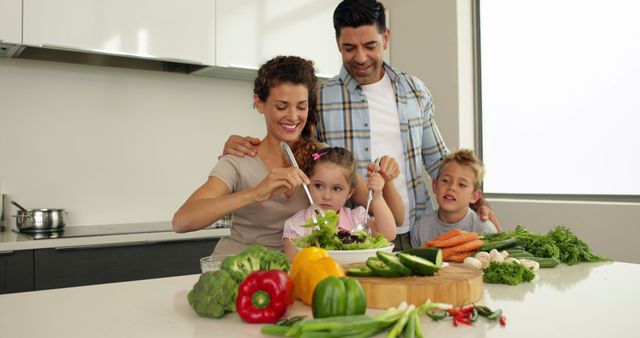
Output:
x=459 y=257
x=449 y=234
x=468 y=246
x=455 y=240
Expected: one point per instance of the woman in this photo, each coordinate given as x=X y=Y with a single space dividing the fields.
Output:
x=261 y=192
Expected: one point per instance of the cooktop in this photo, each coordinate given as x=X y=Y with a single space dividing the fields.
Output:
x=99 y=230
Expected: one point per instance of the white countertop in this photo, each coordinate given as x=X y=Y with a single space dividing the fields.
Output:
x=11 y=241
x=586 y=300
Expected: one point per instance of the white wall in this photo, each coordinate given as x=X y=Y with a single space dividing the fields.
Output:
x=423 y=43
x=113 y=145
x=432 y=40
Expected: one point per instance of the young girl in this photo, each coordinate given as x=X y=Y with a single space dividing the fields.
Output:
x=332 y=173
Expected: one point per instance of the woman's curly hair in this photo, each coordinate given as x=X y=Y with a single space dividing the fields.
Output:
x=295 y=70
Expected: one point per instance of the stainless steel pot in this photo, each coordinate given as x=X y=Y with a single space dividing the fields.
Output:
x=40 y=220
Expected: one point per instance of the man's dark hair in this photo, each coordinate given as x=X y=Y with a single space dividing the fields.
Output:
x=356 y=13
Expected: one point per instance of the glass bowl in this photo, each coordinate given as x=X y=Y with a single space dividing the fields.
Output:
x=211 y=263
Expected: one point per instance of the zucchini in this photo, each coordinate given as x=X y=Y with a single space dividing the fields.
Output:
x=521 y=254
x=360 y=271
x=419 y=265
x=499 y=245
x=393 y=262
x=434 y=255
x=515 y=251
x=380 y=268
x=545 y=263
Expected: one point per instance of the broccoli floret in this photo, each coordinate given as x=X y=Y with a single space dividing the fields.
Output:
x=214 y=294
x=255 y=257
x=274 y=260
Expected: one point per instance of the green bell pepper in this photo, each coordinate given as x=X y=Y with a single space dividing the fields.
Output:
x=335 y=296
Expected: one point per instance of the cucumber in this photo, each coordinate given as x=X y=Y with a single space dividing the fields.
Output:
x=419 y=265
x=499 y=245
x=380 y=268
x=515 y=251
x=434 y=255
x=545 y=263
x=393 y=262
x=360 y=271
x=520 y=254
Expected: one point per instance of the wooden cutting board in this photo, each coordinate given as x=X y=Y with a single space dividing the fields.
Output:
x=454 y=284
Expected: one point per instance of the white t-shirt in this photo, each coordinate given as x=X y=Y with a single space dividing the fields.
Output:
x=385 y=134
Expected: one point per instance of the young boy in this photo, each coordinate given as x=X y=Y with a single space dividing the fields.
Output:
x=457 y=185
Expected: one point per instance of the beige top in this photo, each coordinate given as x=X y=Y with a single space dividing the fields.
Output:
x=257 y=223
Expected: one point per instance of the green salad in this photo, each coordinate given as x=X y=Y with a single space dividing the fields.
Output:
x=329 y=237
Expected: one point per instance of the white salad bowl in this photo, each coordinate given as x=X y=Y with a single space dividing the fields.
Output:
x=354 y=256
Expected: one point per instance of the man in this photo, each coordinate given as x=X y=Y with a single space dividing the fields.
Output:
x=373 y=109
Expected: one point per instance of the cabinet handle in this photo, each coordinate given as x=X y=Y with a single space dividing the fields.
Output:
x=98 y=246
x=4 y=253
x=115 y=53
x=242 y=67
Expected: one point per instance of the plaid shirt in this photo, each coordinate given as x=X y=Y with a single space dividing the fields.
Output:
x=344 y=122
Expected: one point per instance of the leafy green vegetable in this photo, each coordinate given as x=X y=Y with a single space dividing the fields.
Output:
x=572 y=249
x=214 y=294
x=559 y=243
x=254 y=257
x=507 y=273
x=325 y=236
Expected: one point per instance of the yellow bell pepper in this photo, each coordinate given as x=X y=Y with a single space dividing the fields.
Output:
x=309 y=268
x=307 y=254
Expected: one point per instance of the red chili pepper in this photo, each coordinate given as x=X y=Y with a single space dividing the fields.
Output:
x=455 y=321
x=466 y=309
x=264 y=296
x=463 y=320
x=454 y=312
x=503 y=320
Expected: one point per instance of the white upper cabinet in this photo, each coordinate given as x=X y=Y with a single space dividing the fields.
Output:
x=182 y=31
x=11 y=21
x=251 y=32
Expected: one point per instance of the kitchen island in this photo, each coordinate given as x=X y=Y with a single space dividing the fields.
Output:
x=585 y=300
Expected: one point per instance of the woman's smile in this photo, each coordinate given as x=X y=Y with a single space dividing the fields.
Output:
x=291 y=128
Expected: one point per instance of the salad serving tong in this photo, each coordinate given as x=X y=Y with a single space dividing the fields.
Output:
x=292 y=160
x=364 y=226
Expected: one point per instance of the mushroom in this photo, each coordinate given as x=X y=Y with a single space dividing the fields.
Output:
x=473 y=262
x=484 y=258
x=511 y=260
x=533 y=265
x=496 y=256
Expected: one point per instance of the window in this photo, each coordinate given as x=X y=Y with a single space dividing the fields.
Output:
x=560 y=96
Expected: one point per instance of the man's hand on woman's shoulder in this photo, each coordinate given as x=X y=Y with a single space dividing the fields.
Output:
x=241 y=146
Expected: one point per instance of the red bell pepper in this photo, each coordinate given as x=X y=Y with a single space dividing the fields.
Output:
x=264 y=296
